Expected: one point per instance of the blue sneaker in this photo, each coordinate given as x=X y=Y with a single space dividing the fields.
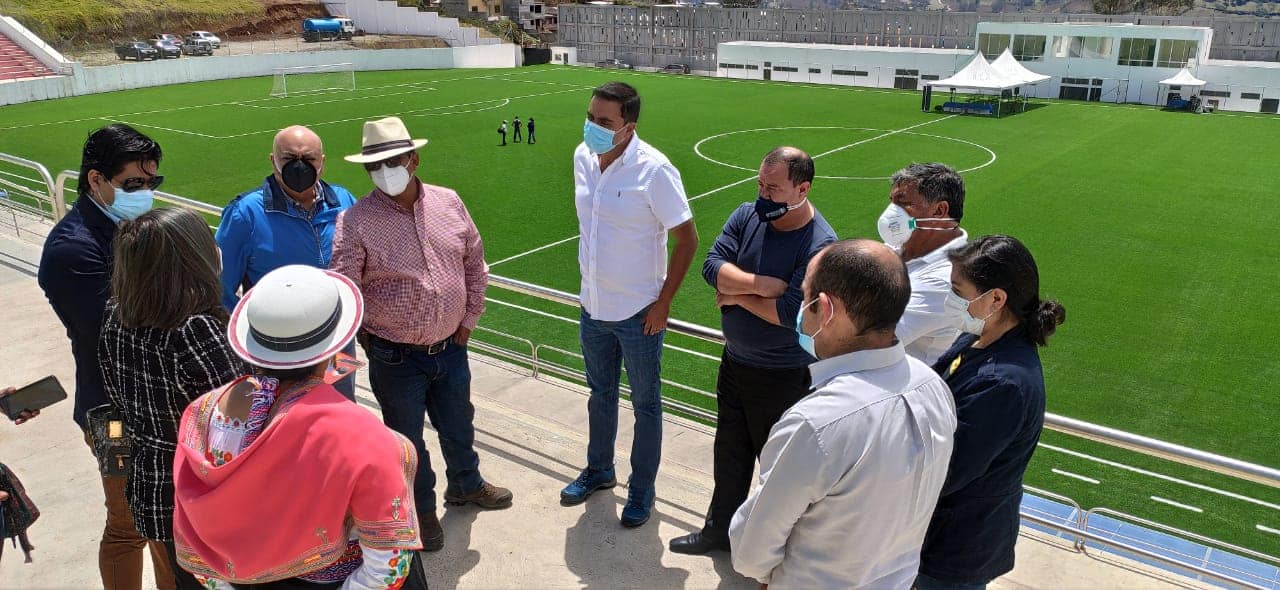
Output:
x=588 y=481
x=636 y=512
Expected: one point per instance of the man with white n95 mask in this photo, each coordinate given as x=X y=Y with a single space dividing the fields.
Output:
x=922 y=224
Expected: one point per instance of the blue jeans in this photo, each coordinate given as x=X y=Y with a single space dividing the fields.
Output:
x=606 y=346
x=347 y=387
x=924 y=582
x=409 y=383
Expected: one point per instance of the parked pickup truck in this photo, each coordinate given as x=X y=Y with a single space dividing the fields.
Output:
x=194 y=46
x=138 y=50
x=321 y=29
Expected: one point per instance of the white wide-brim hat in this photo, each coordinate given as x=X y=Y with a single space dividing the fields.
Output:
x=382 y=139
x=296 y=316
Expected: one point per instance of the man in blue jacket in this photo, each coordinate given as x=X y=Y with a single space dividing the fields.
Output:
x=287 y=220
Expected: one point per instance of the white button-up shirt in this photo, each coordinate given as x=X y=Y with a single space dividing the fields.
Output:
x=925 y=328
x=849 y=477
x=624 y=214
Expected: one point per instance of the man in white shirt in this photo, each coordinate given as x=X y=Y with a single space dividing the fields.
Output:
x=851 y=474
x=629 y=199
x=922 y=223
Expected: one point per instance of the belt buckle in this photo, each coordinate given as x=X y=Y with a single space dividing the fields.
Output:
x=438 y=347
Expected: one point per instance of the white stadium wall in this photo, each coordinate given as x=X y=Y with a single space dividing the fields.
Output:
x=127 y=76
x=1075 y=73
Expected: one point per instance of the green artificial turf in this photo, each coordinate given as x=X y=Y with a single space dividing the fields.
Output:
x=1155 y=229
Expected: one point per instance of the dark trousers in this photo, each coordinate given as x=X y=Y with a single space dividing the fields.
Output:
x=532 y=139
x=516 y=136
x=185 y=580
x=412 y=386
x=749 y=401
x=504 y=138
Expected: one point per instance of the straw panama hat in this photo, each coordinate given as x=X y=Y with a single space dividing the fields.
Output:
x=296 y=316
x=382 y=139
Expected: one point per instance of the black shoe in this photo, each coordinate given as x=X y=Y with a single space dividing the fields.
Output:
x=698 y=544
x=432 y=533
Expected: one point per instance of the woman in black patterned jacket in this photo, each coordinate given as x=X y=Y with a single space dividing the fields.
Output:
x=164 y=343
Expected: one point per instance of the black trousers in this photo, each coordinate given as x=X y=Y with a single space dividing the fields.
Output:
x=749 y=400
x=532 y=139
x=517 y=135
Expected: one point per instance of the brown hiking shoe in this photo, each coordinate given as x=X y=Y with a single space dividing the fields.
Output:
x=432 y=534
x=488 y=497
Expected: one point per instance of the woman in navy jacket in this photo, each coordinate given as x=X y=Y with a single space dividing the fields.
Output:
x=994 y=373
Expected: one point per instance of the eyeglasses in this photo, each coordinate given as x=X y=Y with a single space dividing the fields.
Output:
x=392 y=162
x=135 y=183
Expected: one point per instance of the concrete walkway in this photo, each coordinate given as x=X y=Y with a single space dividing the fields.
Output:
x=531 y=436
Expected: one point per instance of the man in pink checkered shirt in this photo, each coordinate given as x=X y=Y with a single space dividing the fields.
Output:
x=419 y=261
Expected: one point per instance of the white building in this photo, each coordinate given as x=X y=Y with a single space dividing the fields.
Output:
x=1085 y=61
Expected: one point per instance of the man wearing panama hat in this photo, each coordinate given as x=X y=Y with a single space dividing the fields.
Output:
x=417 y=256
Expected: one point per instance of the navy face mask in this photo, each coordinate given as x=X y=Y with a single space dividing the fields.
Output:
x=769 y=211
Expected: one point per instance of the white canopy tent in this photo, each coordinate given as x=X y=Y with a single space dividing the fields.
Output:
x=1013 y=69
x=976 y=77
x=1183 y=79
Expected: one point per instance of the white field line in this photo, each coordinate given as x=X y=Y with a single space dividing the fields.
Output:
x=575 y=322
x=1267 y=529
x=333 y=100
x=169 y=129
x=1075 y=476
x=1177 y=504
x=733 y=184
x=1162 y=476
x=256 y=100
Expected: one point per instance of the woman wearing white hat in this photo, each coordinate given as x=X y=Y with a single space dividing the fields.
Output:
x=348 y=519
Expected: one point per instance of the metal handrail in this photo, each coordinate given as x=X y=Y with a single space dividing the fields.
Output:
x=1139 y=552
x=55 y=197
x=1253 y=472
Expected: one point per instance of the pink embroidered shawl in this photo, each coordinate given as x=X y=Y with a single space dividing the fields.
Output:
x=284 y=506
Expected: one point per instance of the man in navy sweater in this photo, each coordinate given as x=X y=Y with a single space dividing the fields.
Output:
x=757 y=266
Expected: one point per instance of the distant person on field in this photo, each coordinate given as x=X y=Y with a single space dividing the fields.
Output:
x=994 y=373
x=502 y=131
x=288 y=219
x=515 y=124
x=118 y=177
x=922 y=224
x=629 y=199
x=757 y=267
x=532 y=139
x=850 y=474
x=415 y=252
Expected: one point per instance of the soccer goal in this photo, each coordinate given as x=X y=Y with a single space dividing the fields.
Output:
x=313 y=79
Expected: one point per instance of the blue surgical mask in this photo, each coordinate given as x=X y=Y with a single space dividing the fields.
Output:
x=598 y=139
x=129 y=205
x=805 y=340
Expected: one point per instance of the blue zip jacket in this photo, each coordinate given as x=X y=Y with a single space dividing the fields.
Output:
x=1000 y=398
x=263 y=230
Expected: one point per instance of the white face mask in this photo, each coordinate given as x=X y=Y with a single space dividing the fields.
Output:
x=896 y=225
x=391 y=181
x=958 y=307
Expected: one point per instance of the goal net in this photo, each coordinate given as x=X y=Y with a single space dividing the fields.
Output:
x=312 y=79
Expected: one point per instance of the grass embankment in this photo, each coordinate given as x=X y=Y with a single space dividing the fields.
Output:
x=64 y=21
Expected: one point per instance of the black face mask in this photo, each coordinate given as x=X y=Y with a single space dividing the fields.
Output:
x=768 y=210
x=298 y=175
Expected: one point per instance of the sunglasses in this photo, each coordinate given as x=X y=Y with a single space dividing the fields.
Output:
x=135 y=183
x=392 y=162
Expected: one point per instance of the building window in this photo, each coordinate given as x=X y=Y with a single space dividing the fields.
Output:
x=1216 y=93
x=815 y=70
x=992 y=45
x=848 y=73
x=753 y=67
x=1076 y=81
x=907 y=72
x=1028 y=47
x=731 y=66
x=1250 y=96
x=784 y=69
x=1082 y=47
x=1174 y=53
x=929 y=77
x=1137 y=52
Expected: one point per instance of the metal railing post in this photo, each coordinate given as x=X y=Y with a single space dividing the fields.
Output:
x=56 y=202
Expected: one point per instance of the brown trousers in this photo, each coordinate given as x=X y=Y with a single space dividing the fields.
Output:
x=120 y=552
